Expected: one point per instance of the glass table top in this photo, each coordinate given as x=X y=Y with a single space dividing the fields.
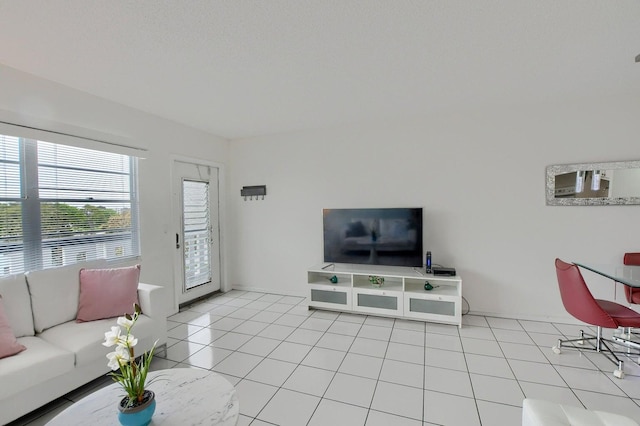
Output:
x=624 y=274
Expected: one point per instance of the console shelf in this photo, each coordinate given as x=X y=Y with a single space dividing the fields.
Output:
x=402 y=295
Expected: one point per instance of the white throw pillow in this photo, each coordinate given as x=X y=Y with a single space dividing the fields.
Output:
x=55 y=293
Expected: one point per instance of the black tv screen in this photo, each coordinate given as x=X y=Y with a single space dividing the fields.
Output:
x=388 y=236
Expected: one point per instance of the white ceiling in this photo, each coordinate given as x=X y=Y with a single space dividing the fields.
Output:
x=240 y=68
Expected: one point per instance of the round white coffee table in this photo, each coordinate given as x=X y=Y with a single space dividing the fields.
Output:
x=184 y=396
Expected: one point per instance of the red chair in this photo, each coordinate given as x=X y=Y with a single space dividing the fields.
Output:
x=632 y=294
x=580 y=303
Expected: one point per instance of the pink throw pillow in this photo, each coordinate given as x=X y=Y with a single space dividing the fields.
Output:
x=107 y=293
x=8 y=343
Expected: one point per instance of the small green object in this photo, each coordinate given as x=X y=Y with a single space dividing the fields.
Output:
x=428 y=286
x=376 y=281
x=333 y=279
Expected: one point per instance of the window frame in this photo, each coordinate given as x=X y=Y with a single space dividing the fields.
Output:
x=34 y=245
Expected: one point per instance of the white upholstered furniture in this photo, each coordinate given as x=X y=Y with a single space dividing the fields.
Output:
x=61 y=354
x=537 y=412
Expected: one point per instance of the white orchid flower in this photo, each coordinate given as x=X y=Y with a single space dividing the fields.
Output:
x=113 y=361
x=133 y=374
x=123 y=353
x=129 y=341
x=112 y=337
x=120 y=356
x=126 y=323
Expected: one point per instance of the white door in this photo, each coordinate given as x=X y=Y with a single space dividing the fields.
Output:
x=197 y=235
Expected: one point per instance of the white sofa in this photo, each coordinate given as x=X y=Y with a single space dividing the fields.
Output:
x=537 y=412
x=61 y=354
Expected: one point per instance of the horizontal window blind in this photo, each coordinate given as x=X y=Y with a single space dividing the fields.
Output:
x=197 y=233
x=61 y=204
x=9 y=168
x=11 y=252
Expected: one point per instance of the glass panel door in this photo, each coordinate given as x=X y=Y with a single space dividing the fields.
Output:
x=197 y=235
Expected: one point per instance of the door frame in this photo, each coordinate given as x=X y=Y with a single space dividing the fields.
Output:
x=222 y=203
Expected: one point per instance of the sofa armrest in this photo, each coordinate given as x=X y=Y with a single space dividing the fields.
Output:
x=151 y=299
x=153 y=304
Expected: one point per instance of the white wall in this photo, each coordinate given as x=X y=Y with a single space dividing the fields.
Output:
x=480 y=177
x=31 y=100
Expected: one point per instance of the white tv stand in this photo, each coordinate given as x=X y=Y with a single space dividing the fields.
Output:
x=402 y=295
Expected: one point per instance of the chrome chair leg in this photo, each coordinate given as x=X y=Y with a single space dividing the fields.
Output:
x=597 y=343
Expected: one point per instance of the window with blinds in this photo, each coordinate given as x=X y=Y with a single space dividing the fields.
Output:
x=61 y=205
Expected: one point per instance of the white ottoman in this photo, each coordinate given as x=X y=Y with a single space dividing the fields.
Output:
x=536 y=412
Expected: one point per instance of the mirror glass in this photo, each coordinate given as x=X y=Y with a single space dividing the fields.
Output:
x=592 y=184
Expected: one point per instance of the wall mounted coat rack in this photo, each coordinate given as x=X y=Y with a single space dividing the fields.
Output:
x=251 y=191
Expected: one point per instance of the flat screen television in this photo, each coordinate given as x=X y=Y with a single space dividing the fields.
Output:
x=386 y=236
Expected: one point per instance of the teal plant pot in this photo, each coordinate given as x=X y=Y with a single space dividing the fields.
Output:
x=139 y=415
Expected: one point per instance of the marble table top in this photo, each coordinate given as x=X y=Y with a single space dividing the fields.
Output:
x=184 y=396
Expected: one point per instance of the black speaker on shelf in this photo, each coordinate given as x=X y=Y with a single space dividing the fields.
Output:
x=428 y=262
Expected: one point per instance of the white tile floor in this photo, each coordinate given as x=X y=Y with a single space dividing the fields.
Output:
x=295 y=366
